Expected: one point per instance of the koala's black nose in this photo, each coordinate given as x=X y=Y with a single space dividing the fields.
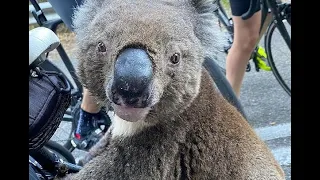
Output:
x=132 y=77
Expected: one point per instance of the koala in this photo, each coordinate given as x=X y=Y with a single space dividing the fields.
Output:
x=145 y=58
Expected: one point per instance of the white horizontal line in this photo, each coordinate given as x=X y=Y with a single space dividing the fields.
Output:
x=274 y=132
x=282 y=155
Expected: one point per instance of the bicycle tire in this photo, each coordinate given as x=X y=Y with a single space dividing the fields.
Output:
x=270 y=60
x=60 y=150
x=222 y=84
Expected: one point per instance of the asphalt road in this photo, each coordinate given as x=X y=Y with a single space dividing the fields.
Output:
x=266 y=104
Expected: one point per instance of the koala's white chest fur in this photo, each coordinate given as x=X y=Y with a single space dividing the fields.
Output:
x=123 y=128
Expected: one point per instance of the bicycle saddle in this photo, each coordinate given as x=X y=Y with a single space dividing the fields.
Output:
x=41 y=41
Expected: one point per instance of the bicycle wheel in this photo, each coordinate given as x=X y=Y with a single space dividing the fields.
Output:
x=279 y=54
x=222 y=84
x=60 y=151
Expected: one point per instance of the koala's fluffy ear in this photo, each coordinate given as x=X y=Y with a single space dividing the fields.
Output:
x=207 y=27
x=203 y=6
x=84 y=14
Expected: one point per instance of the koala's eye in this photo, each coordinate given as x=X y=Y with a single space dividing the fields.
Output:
x=101 y=47
x=175 y=58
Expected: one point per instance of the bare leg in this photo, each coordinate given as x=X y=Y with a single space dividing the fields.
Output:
x=88 y=102
x=246 y=34
x=89 y=112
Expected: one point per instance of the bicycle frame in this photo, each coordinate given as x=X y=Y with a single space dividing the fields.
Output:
x=277 y=18
x=221 y=13
x=53 y=24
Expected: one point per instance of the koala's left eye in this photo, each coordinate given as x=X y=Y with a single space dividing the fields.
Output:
x=175 y=58
x=101 y=47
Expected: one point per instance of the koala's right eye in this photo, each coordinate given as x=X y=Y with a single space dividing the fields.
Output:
x=175 y=58
x=101 y=47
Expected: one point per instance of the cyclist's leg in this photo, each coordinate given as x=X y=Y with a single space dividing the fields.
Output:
x=89 y=109
x=88 y=112
x=246 y=34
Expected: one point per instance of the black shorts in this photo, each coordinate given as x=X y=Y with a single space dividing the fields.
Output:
x=239 y=7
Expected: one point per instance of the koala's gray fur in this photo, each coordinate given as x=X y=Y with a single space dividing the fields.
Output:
x=192 y=132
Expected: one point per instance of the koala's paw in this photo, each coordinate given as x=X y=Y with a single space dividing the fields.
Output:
x=85 y=160
x=66 y=177
x=96 y=149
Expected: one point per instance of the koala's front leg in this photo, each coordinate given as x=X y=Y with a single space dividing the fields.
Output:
x=97 y=148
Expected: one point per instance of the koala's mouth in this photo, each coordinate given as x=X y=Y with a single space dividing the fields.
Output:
x=130 y=89
x=131 y=114
x=131 y=107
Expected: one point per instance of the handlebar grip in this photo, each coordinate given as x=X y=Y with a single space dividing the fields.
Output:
x=72 y=168
x=254 y=4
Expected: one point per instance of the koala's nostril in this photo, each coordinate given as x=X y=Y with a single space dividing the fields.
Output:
x=116 y=98
x=131 y=101
x=113 y=91
x=145 y=98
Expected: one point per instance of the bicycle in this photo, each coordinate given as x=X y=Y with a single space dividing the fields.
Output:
x=52 y=160
x=73 y=113
x=274 y=16
x=47 y=159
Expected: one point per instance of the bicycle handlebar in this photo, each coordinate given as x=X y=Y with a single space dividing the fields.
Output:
x=72 y=168
x=252 y=9
x=52 y=163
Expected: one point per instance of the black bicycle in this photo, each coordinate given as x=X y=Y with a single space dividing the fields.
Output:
x=276 y=18
x=49 y=97
x=72 y=113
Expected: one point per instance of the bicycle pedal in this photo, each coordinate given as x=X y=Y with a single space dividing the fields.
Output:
x=261 y=52
x=248 y=67
x=262 y=64
x=261 y=59
x=226 y=48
